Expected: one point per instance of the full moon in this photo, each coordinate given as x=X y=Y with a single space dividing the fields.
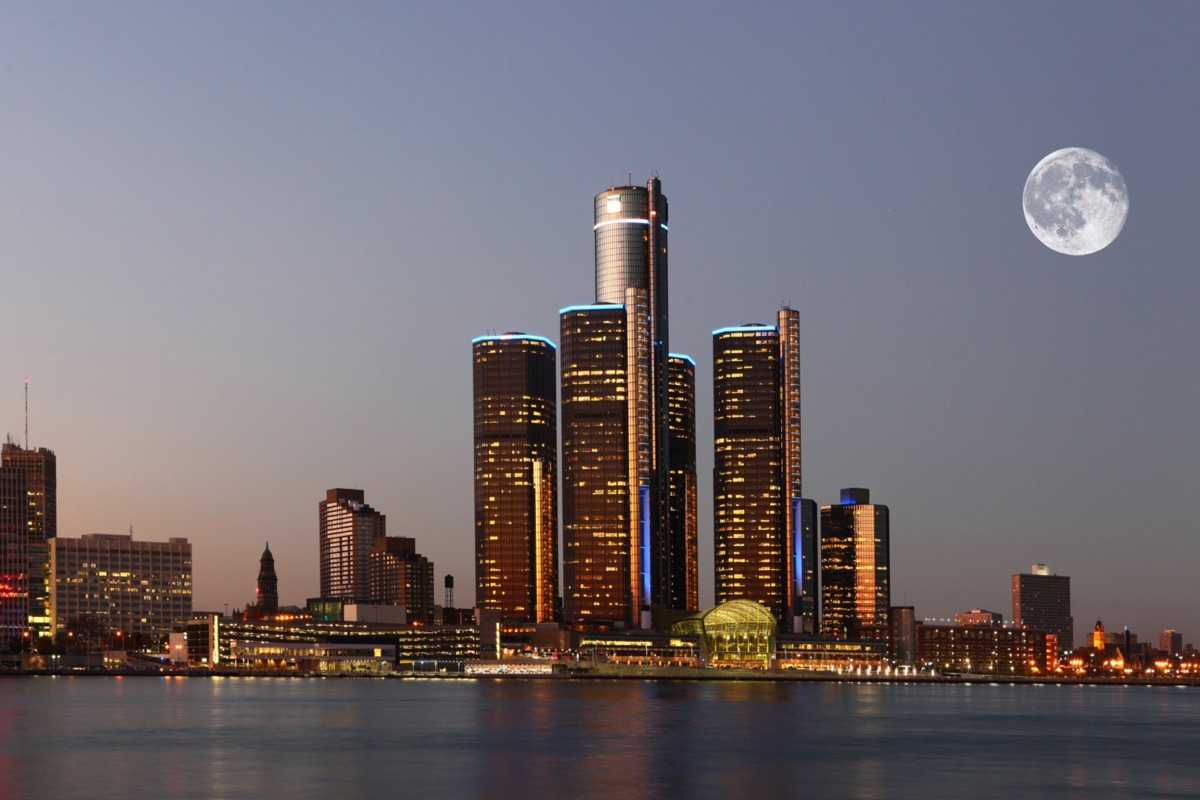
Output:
x=1075 y=201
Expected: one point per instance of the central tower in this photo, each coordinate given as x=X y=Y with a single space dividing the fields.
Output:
x=615 y=420
x=631 y=229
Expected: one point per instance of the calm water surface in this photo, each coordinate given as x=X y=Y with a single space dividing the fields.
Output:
x=93 y=737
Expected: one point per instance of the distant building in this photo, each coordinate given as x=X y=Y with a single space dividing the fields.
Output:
x=978 y=616
x=398 y=575
x=128 y=586
x=1042 y=601
x=1099 y=637
x=1170 y=642
x=516 y=475
x=756 y=465
x=856 y=583
x=267 y=596
x=348 y=529
x=28 y=518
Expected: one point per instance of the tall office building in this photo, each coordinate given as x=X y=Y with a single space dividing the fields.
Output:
x=129 y=586
x=855 y=564
x=28 y=518
x=400 y=576
x=683 y=581
x=349 y=527
x=758 y=512
x=1042 y=601
x=605 y=537
x=267 y=593
x=516 y=476
x=630 y=229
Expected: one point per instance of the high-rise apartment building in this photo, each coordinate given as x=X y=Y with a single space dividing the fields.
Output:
x=516 y=476
x=128 y=586
x=400 y=576
x=855 y=564
x=758 y=521
x=1042 y=601
x=683 y=576
x=28 y=518
x=348 y=529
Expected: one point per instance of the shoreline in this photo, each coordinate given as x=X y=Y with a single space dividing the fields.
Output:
x=666 y=674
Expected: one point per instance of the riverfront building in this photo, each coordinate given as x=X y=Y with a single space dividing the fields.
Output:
x=28 y=518
x=758 y=516
x=128 y=586
x=619 y=557
x=984 y=649
x=516 y=476
x=348 y=529
x=631 y=230
x=604 y=539
x=855 y=564
x=1042 y=601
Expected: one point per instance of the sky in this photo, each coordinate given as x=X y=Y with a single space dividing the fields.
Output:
x=245 y=249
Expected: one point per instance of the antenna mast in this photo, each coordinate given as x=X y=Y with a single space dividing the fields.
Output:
x=27 y=447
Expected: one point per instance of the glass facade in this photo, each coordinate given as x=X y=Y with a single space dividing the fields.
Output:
x=600 y=530
x=349 y=528
x=756 y=471
x=855 y=564
x=737 y=633
x=683 y=586
x=516 y=476
x=631 y=231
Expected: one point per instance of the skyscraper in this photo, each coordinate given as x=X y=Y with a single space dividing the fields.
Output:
x=605 y=537
x=630 y=229
x=268 y=583
x=683 y=581
x=1042 y=601
x=855 y=564
x=758 y=523
x=807 y=567
x=349 y=528
x=516 y=476
x=28 y=518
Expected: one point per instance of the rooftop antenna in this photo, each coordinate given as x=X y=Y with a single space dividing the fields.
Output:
x=630 y=174
x=27 y=414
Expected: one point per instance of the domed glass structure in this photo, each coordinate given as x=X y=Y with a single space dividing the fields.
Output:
x=738 y=633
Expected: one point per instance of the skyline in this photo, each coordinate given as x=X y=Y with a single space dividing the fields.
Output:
x=226 y=228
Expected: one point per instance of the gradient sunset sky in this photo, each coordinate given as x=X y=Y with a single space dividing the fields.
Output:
x=246 y=247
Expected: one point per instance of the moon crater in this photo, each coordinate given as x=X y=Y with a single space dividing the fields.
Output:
x=1075 y=201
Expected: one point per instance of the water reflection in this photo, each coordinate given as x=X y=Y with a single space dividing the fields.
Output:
x=102 y=737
